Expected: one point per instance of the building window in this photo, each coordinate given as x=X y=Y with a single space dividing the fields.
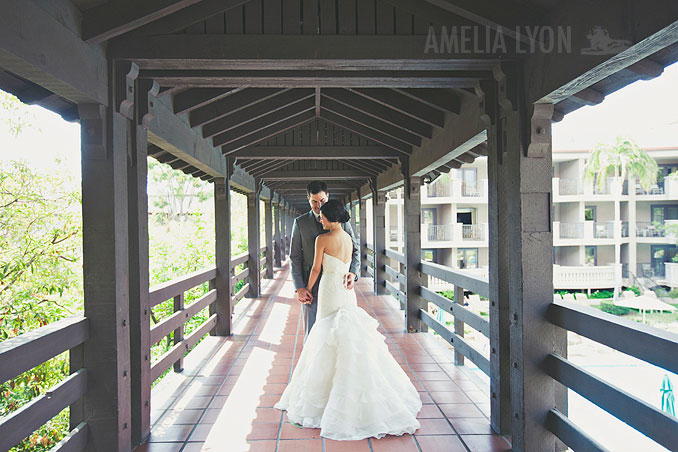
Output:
x=429 y=255
x=467 y=257
x=591 y=256
x=664 y=212
x=589 y=213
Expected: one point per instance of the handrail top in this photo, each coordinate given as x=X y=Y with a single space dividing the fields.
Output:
x=179 y=279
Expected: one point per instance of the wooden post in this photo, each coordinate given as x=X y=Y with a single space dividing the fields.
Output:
x=106 y=406
x=354 y=222
x=412 y=251
x=222 y=229
x=458 y=324
x=379 y=216
x=179 y=332
x=283 y=232
x=532 y=337
x=268 y=225
x=500 y=362
x=253 y=243
x=138 y=267
x=277 y=238
x=363 y=238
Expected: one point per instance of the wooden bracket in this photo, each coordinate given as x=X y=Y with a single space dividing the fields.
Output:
x=540 y=140
x=126 y=74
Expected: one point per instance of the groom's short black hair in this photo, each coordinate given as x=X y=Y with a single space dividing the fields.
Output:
x=316 y=187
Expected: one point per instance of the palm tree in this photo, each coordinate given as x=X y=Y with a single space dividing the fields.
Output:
x=622 y=159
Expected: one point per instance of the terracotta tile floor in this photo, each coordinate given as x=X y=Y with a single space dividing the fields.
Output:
x=223 y=399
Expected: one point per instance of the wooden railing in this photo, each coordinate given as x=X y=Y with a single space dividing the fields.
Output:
x=656 y=347
x=29 y=350
x=263 y=258
x=462 y=315
x=239 y=272
x=397 y=283
x=370 y=259
x=181 y=314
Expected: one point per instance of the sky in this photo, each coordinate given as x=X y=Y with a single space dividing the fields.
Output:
x=644 y=111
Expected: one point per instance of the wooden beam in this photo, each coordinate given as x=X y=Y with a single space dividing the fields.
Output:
x=72 y=69
x=256 y=111
x=173 y=134
x=365 y=131
x=646 y=68
x=316 y=152
x=230 y=104
x=277 y=78
x=589 y=96
x=312 y=175
x=195 y=98
x=108 y=20
x=379 y=111
x=187 y=16
x=443 y=100
x=404 y=104
x=269 y=131
x=293 y=52
x=552 y=80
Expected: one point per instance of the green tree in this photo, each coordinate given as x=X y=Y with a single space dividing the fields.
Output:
x=624 y=158
x=174 y=193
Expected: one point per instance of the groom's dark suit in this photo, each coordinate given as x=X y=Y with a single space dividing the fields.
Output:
x=302 y=251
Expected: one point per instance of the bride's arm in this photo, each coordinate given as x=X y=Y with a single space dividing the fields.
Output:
x=317 y=262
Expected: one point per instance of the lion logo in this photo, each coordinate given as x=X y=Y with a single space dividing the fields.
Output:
x=600 y=43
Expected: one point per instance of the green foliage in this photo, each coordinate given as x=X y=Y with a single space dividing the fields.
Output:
x=40 y=279
x=172 y=194
x=449 y=294
x=634 y=289
x=601 y=294
x=673 y=293
x=622 y=158
x=14 y=113
x=614 y=309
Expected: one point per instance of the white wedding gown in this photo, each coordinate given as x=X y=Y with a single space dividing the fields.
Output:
x=346 y=382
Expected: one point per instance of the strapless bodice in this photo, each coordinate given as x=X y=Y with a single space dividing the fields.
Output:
x=333 y=264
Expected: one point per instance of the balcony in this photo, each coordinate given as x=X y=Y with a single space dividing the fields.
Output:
x=603 y=230
x=647 y=229
x=574 y=189
x=457 y=191
x=586 y=277
x=473 y=232
x=439 y=232
x=571 y=230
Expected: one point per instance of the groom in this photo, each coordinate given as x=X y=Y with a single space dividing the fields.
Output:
x=302 y=250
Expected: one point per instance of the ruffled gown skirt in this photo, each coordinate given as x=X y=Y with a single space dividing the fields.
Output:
x=346 y=381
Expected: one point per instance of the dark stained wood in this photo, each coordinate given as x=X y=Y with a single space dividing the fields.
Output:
x=499 y=265
x=33 y=348
x=385 y=15
x=203 y=10
x=268 y=239
x=270 y=167
x=181 y=317
x=17 y=425
x=256 y=111
x=165 y=291
x=291 y=18
x=316 y=152
x=230 y=104
x=366 y=131
x=365 y=18
x=371 y=122
x=272 y=14
x=311 y=24
x=346 y=17
x=327 y=17
x=290 y=52
x=441 y=99
x=404 y=104
x=277 y=236
x=106 y=356
x=195 y=98
x=253 y=244
x=268 y=132
x=74 y=70
x=646 y=68
x=113 y=19
x=412 y=254
x=306 y=175
x=379 y=239
x=253 y=11
x=589 y=96
x=362 y=166
x=139 y=306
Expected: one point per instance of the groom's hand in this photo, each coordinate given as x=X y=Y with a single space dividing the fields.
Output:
x=304 y=295
x=350 y=279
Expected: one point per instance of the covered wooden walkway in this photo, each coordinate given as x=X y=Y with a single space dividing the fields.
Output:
x=226 y=392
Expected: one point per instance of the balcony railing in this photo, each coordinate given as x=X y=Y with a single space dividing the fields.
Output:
x=647 y=229
x=393 y=235
x=439 y=189
x=439 y=232
x=603 y=230
x=625 y=229
x=473 y=231
x=571 y=230
x=657 y=189
x=472 y=189
x=570 y=187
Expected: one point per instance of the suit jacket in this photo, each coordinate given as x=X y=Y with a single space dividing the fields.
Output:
x=302 y=247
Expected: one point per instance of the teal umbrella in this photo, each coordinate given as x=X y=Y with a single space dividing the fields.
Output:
x=668 y=399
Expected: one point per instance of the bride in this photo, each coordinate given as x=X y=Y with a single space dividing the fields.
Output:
x=346 y=382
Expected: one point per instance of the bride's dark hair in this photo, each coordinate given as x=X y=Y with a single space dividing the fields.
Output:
x=335 y=211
